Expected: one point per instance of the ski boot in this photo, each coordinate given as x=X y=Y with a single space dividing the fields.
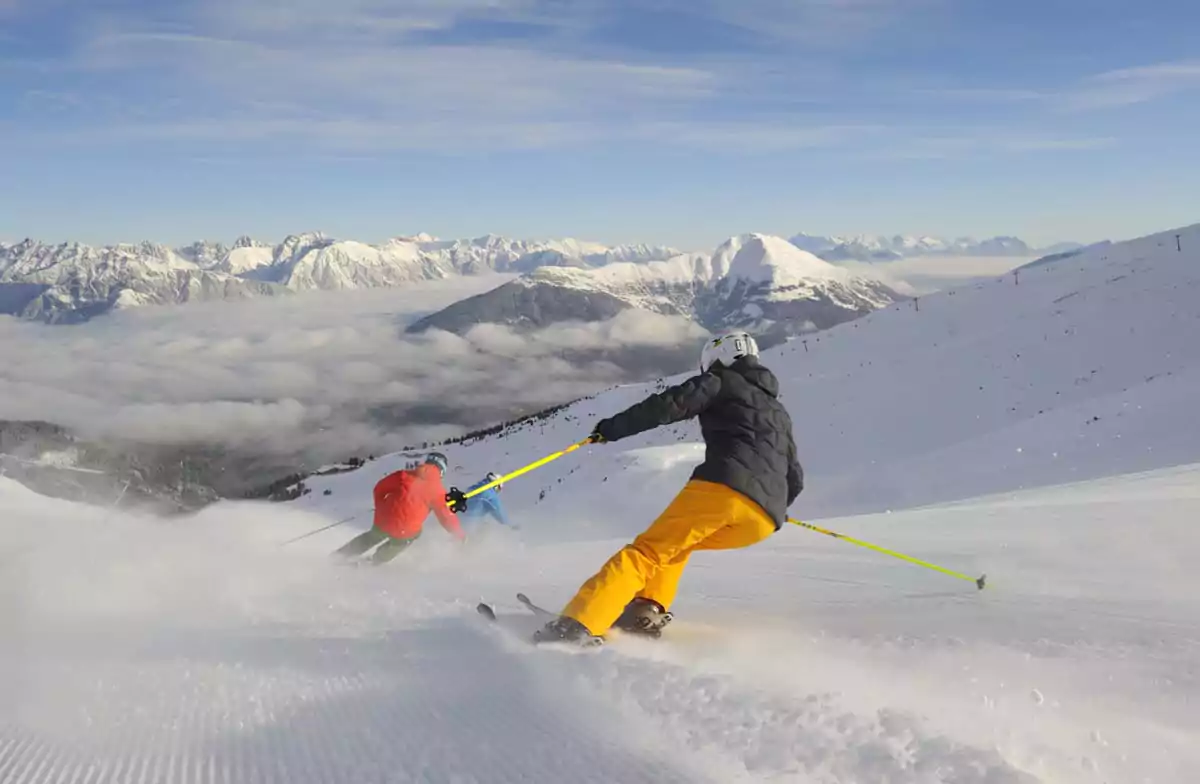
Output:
x=569 y=630
x=644 y=617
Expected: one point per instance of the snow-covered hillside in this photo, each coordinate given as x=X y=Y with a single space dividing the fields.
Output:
x=751 y=281
x=189 y=653
x=73 y=282
x=211 y=650
x=878 y=247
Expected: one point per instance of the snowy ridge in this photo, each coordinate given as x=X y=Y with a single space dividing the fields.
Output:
x=878 y=247
x=751 y=281
x=205 y=651
x=73 y=282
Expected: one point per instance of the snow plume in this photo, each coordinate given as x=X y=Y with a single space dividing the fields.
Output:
x=322 y=377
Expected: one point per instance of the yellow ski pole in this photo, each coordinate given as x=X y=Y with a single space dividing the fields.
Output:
x=979 y=581
x=456 y=496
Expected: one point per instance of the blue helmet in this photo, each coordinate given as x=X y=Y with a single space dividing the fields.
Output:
x=439 y=460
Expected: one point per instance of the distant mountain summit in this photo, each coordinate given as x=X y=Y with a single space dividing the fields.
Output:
x=752 y=281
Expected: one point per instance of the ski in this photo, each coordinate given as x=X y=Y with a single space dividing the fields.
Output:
x=533 y=608
x=489 y=611
x=513 y=624
x=540 y=614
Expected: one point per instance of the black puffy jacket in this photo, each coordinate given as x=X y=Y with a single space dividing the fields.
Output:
x=747 y=431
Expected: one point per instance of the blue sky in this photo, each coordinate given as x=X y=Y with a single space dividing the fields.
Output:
x=667 y=121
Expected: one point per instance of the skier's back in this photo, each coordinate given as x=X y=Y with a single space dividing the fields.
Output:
x=737 y=497
x=403 y=499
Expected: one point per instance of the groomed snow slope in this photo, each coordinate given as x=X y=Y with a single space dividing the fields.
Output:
x=143 y=651
x=203 y=650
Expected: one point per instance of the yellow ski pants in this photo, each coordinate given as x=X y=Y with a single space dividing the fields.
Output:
x=704 y=516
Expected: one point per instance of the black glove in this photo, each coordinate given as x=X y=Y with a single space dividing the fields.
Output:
x=456 y=500
x=600 y=433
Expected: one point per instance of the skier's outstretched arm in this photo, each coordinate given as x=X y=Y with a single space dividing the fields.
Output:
x=445 y=517
x=795 y=477
x=448 y=520
x=675 y=404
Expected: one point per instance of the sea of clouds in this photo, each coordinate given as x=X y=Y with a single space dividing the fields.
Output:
x=316 y=376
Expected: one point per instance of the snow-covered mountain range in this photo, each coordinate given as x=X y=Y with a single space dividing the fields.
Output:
x=71 y=282
x=753 y=281
x=878 y=247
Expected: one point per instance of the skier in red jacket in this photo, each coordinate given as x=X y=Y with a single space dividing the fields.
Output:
x=402 y=502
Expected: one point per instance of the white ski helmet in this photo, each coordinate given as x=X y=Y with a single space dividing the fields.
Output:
x=492 y=476
x=726 y=349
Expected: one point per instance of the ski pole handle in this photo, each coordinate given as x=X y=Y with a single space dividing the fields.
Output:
x=456 y=500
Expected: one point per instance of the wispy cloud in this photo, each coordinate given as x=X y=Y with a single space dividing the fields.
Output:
x=923 y=144
x=1128 y=86
x=369 y=75
x=982 y=94
x=374 y=76
x=412 y=78
x=769 y=137
x=1051 y=144
x=376 y=18
x=1111 y=89
x=359 y=82
x=348 y=135
x=351 y=134
x=825 y=23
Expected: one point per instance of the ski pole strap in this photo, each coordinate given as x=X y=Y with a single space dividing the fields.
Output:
x=979 y=581
x=526 y=469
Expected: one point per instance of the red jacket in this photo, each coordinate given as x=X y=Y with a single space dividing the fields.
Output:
x=405 y=498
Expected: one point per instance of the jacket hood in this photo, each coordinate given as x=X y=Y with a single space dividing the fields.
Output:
x=750 y=369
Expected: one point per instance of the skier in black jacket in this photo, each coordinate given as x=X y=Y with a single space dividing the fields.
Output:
x=737 y=497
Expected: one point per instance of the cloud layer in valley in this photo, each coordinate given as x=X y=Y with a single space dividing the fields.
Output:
x=921 y=275
x=320 y=376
